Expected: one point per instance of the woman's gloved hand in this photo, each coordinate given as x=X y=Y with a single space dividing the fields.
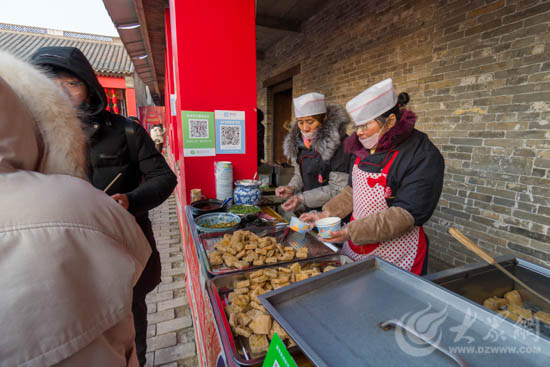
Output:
x=291 y=204
x=338 y=236
x=313 y=216
x=284 y=192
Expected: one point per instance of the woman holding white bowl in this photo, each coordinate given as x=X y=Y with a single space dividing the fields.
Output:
x=394 y=186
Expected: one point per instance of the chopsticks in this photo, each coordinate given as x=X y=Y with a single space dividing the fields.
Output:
x=112 y=182
x=489 y=259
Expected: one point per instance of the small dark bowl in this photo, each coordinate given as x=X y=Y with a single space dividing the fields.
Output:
x=206 y=206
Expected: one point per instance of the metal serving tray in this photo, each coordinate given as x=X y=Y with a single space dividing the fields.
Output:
x=479 y=281
x=365 y=314
x=221 y=286
x=283 y=235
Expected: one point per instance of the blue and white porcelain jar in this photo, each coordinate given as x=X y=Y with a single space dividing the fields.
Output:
x=247 y=192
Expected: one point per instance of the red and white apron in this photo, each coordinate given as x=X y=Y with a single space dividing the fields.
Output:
x=369 y=196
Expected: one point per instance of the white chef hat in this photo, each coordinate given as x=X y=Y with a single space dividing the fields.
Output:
x=309 y=104
x=372 y=102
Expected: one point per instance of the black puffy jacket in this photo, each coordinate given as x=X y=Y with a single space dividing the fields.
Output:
x=147 y=179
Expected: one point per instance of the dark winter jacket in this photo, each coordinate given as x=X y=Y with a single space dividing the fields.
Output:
x=321 y=171
x=415 y=179
x=147 y=182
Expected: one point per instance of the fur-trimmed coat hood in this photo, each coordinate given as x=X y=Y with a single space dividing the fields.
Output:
x=40 y=129
x=328 y=137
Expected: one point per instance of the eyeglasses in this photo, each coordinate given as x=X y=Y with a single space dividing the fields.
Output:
x=366 y=126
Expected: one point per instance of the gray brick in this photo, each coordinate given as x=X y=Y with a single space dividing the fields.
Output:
x=151 y=330
x=150 y=359
x=162 y=315
x=161 y=341
x=173 y=271
x=175 y=353
x=173 y=325
x=160 y=296
x=171 y=286
x=173 y=303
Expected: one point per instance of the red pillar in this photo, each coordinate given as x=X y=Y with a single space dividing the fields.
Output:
x=131 y=101
x=214 y=47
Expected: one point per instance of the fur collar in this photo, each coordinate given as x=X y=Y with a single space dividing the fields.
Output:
x=398 y=134
x=57 y=131
x=328 y=136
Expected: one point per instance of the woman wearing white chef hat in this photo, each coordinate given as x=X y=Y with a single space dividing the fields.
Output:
x=395 y=184
x=315 y=142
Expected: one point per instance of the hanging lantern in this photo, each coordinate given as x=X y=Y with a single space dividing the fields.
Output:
x=115 y=102
x=108 y=107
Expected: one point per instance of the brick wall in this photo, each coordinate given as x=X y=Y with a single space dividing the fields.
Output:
x=478 y=73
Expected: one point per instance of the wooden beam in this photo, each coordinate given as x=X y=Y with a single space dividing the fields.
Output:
x=278 y=23
x=287 y=74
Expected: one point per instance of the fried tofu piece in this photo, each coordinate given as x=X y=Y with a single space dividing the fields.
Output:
x=251 y=258
x=231 y=250
x=276 y=328
x=271 y=273
x=301 y=253
x=280 y=249
x=258 y=280
x=261 y=251
x=291 y=343
x=241 y=300
x=281 y=285
x=241 y=264
x=258 y=343
x=251 y=246
x=271 y=260
x=255 y=293
x=542 y=316
x=301 y=276
x=522 y=312
x=259 y=261
x=258 y=307
x=271 y=253
x=243 y=320
x=242 y=284
x=284 y=270
x=268 y=287
x=285 y=257
x=215 y=259
x=283 y=278
x=229 y=259
x=261 y=324
x=495 y=303
x=240 y=291
x=513 y=297
x=328 y=268
x=244 y=331
x=290 y=251
x=232 y=320
x=256 y=274
x=510 y=315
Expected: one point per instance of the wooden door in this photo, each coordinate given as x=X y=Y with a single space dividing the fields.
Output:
x=282 y=118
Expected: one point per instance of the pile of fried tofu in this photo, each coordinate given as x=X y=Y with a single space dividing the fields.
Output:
x=511 y=307
x=248 y=318
x=244 y=249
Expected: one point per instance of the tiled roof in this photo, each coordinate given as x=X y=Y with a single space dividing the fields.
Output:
x=106 y=54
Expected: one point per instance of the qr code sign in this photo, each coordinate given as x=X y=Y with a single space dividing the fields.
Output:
x=198 y=129
x=230 y=136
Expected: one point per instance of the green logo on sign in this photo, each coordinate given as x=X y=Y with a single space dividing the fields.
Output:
x=277 y=355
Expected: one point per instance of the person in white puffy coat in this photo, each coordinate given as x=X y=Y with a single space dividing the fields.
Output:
x=69 y=254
